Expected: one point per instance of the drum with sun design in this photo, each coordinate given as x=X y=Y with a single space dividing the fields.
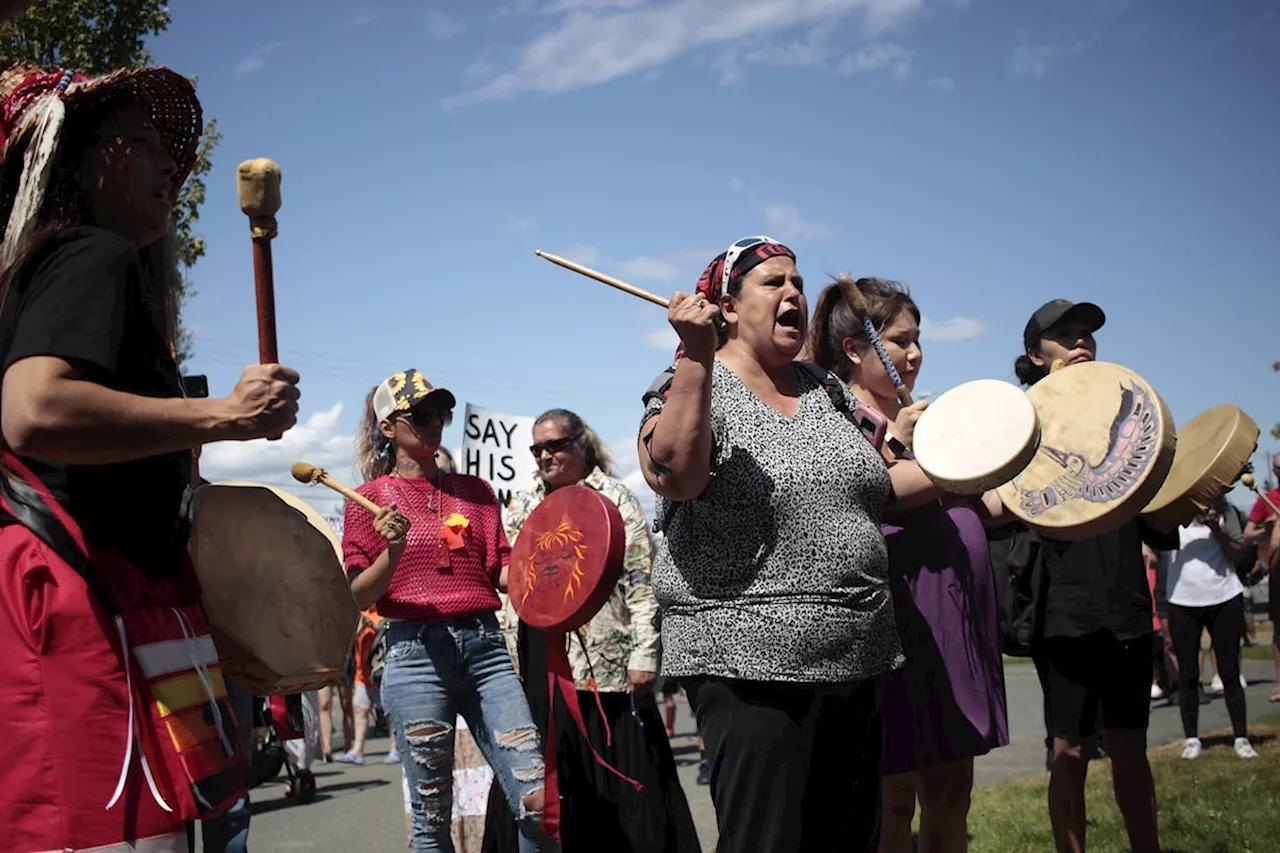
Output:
x=567 y=559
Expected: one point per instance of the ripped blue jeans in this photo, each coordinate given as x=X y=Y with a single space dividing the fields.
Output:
x=435 y=672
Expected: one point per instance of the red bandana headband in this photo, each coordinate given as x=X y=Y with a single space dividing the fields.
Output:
x=742 y=257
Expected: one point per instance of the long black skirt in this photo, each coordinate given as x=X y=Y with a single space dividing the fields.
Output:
x=599 y=811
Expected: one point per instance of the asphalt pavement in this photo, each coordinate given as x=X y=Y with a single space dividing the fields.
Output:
x=361 y=808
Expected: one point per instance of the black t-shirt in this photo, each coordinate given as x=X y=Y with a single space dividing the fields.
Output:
x=82 y=296
x=1093 y=585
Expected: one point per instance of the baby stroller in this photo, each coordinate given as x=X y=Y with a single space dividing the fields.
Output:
x=287 y=744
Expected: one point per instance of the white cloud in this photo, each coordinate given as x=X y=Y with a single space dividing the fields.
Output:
x=257 y=59
x=945 y=84
x=516 y=224
x=575 y=5
x=877 y=57
x=313 y=440
x=953 y=329
x=596 y=42
x=784 y=222
x=1031 y=61
x=583 y=254
x=362 y=17
x=663 y=337
x=626 y=467
x=442 y=27
x=669 y=266
x=781 y=221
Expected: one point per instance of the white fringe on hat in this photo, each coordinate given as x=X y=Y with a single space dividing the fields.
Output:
x=47 y=117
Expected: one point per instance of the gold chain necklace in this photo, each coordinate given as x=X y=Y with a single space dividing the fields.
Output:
x=438 y=507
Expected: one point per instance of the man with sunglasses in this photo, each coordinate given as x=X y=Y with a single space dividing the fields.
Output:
x=1264 y=531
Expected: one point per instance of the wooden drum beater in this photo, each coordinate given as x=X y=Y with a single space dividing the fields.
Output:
x=1252 y=484
x=258 y=185
x=305 y=472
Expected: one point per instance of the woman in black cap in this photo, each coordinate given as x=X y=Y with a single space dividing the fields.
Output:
x=1091 y=632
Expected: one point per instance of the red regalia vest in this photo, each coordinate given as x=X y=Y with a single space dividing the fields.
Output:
x=119 y=728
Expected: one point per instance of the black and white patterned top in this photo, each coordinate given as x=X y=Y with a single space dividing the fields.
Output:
x=778 y=571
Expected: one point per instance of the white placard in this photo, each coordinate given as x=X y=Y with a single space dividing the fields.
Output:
x=495 y=447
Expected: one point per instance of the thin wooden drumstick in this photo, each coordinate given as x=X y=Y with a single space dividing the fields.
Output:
x=604 y=279
x=1251 y=483
x=305 y=472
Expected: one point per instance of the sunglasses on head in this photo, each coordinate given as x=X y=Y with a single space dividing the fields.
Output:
x=555 y=445
x=426 y=417
x=734 y=252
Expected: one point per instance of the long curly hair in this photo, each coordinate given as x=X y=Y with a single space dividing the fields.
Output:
x=375 y=456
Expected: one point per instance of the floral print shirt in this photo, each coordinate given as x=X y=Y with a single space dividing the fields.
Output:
x=623 y=635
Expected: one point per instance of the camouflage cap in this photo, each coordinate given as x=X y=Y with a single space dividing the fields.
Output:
x=406 y=389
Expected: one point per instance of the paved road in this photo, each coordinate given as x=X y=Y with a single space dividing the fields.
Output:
x=361 y=808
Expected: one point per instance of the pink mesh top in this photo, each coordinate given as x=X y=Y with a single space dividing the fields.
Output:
x=454 y=554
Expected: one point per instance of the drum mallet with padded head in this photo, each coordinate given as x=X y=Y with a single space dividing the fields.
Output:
x=304 y=472
x=1251 y=483
x=258 y=185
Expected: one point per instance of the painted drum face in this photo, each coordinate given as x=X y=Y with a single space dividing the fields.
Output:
x=1106 y=445
x=567 y=559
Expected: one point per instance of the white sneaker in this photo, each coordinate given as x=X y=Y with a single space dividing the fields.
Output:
x=1215 y=686
x=1244 y=682
x=1193 y=748
x=1244 y=749
x=1156 y=692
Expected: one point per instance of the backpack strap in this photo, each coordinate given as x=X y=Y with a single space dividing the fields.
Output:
x=835 y=390
x=21 y=504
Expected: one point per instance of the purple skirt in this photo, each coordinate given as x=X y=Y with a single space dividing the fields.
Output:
x=948 y=702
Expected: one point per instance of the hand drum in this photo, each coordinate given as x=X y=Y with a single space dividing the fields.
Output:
x=566 y=560
x=1213 y=449
x=1106 y=445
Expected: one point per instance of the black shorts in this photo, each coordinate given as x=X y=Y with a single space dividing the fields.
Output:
x=1094 y=682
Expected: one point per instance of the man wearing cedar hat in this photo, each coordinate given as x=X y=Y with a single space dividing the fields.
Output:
x=118 y=731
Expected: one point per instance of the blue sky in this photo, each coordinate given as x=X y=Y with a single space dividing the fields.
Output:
x=991 y=155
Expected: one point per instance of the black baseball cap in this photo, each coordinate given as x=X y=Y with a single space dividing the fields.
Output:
x=1061 y=311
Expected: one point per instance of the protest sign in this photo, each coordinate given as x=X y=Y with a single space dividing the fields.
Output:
x=495 y=447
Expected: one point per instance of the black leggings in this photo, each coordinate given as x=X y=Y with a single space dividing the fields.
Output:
x=1223 y=622
x=794 y=768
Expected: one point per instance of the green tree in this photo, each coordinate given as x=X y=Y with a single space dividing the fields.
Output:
x=97 y=36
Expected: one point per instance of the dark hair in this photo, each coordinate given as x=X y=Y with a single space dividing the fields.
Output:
x=588 y=442
x=1027 y=371
x=375 y=456
x=66 y=206
x=834 y=319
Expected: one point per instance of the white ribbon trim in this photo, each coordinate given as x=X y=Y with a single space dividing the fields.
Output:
x=133 y=734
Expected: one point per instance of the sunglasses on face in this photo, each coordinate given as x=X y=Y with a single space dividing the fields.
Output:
x=555 y=445
x=422 y=418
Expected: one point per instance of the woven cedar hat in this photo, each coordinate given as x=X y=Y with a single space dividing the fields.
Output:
x=33 y=106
